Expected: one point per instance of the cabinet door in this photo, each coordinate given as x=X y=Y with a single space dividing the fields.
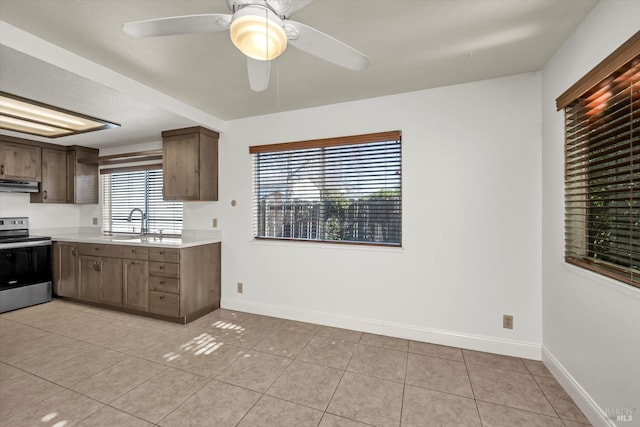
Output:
x=181 y=167
x=82 y=170
x=135 y=275
x=20 y=161
x=65 y=269
x=90 y=278
x=53 y=188
x=111 y=290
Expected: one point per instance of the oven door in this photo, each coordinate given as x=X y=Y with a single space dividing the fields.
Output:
x=24 y=263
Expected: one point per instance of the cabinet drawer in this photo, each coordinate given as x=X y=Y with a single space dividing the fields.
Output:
x=164 y=303
x=164 y=284
x=136 y=252
x=164 y=269
x=114 y=251
x=164 y=254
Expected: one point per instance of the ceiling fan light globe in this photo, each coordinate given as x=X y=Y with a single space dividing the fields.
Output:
x=257 y=32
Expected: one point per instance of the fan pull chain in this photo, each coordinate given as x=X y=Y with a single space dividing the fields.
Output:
x=278 y=85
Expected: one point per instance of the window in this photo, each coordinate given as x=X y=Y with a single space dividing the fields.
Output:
x=339 y=190
x=602 y=168
x=125 y=190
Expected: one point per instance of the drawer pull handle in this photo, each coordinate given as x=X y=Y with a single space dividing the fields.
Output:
x=96 y=248
x=133 y=251
x=135 y=262
x=45 y=194
x=74 y=252
x=161 y=296
x=162 y=282
x=1 y=169
x=162 y=267
x=161 y=252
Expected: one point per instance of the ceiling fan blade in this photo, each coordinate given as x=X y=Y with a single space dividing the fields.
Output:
x=258 y=74
x=178 y=25
x=324 y=46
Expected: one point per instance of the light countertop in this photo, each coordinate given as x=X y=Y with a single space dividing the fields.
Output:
x=132 y=240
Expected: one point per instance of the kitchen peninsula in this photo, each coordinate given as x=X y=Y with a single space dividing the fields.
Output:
x=176 y=279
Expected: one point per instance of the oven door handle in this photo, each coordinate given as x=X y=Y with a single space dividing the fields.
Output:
x=25 y=244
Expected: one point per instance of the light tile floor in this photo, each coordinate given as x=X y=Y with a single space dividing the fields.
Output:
x=64 y=364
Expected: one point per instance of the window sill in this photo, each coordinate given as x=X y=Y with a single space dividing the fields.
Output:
x=325 y=245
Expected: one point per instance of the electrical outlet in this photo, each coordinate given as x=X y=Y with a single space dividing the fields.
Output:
x=240 y=287
x=95 y=220
x=214 y=223
x=507 y=321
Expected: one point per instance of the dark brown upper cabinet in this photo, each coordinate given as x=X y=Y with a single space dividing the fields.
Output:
x=19 y=161
x=190 y=164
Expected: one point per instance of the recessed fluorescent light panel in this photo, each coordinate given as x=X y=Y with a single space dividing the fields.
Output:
x=24 y=115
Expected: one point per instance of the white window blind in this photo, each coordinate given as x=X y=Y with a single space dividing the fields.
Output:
x=124 y=191
x=338 y=190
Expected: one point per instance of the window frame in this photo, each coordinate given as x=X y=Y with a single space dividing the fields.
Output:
x=136 y=220
x=581 y=233
x=353 y=140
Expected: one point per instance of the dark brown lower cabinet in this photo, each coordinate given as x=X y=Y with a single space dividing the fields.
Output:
x=180 y=284
x=65 y=269
x=135 y=275
x=100 y=280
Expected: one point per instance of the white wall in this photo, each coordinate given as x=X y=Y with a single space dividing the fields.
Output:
x=471 y=221
x=591 y=325
x=40 y=215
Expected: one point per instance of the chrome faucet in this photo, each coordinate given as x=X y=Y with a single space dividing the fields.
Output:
x=142 y=216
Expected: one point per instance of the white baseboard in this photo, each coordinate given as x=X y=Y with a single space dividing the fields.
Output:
x=508 y=347
x=582 y=399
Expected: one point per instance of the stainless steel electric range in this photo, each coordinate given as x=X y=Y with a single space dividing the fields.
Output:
x=25 y=265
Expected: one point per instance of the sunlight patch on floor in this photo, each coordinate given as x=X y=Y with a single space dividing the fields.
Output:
x=220 y=324
x=50 y=416
x=203 y=344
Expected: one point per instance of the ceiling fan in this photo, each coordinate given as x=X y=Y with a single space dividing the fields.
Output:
x=261 y=30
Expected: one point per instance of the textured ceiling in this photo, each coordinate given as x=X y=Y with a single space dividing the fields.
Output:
x=412 y=45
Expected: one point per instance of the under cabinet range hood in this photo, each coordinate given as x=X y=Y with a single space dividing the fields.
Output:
x=11 y=186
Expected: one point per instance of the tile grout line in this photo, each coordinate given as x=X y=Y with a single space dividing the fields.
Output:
x=66 y=310
x=473 y=392
x=546 y=397
x=164 y=368
x=339 y=382
x=73 y=391
x=404 y=384
x=293 y=359
x=152 y=377
x=264 y=393
x=527 y=410
x=182 y=403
